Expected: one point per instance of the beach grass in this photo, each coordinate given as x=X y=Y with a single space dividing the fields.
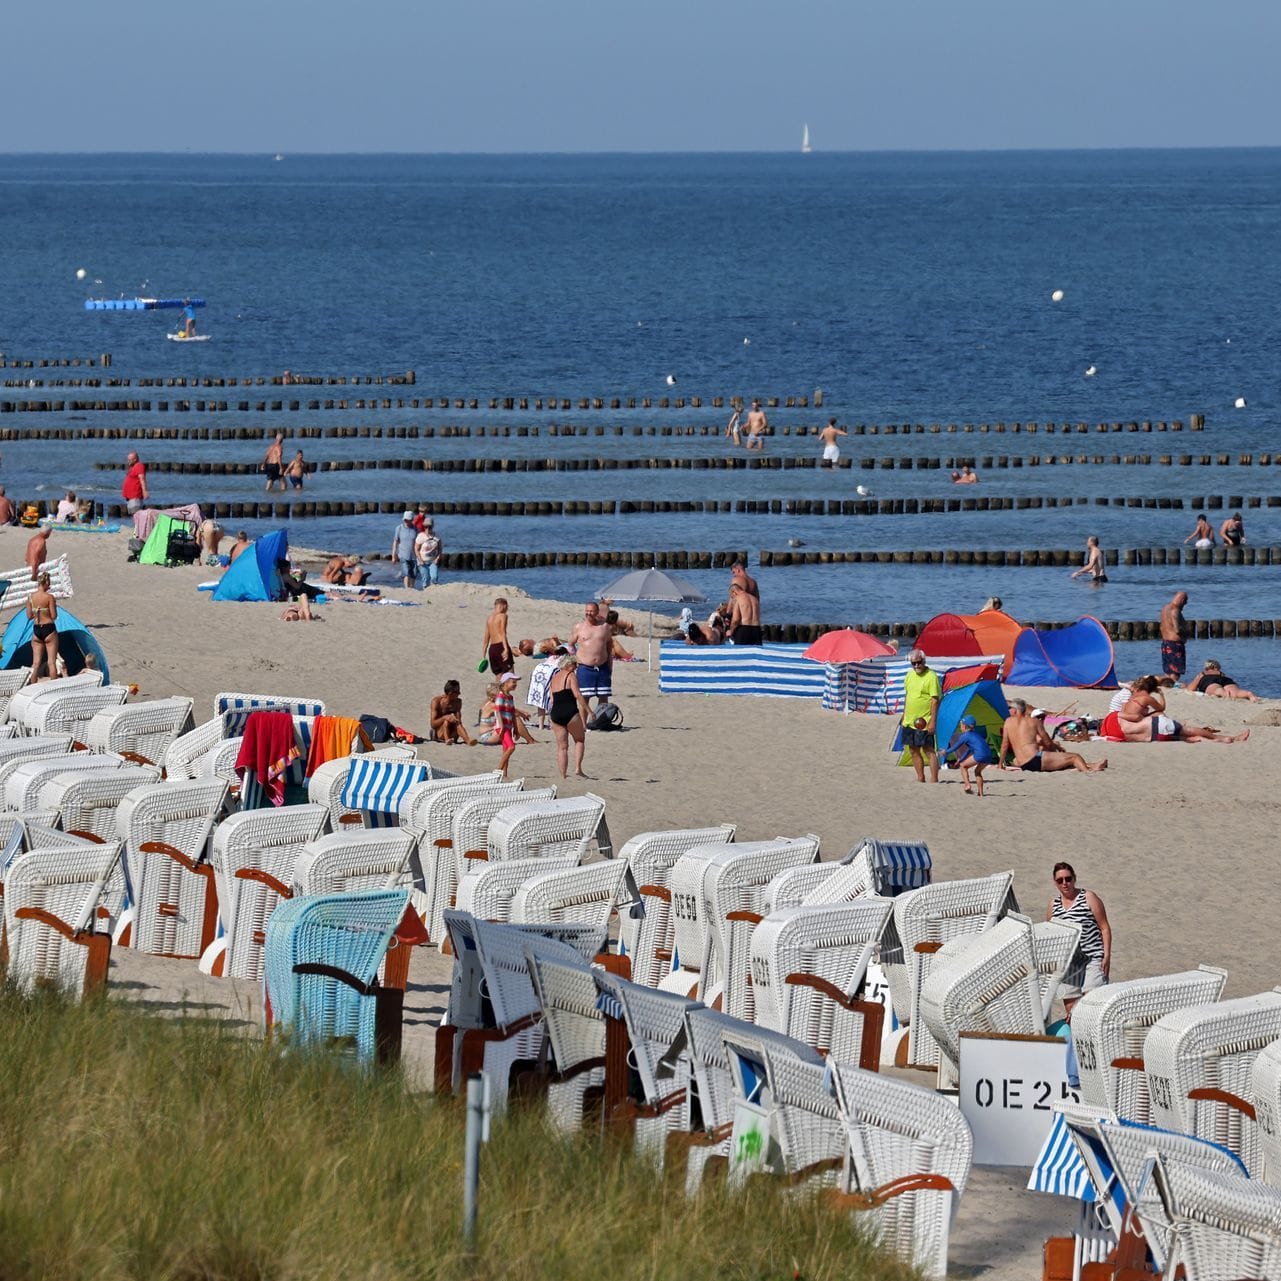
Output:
x=138 y=1146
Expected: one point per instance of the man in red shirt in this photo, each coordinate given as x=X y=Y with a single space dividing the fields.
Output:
x=134 y=490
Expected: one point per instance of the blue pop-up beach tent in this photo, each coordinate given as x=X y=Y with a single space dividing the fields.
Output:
x=75 y=643
x=253 y=574
x=983 y=700
x=1079 y=655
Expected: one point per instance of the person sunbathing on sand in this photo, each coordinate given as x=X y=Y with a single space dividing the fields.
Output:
x=1034 y=751
x=1213 y=682
x=1143 y=720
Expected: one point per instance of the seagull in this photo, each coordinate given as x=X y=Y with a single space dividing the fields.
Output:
x=862 y=491
x=1240 y=402
x=671 y=380
x=1089 y=373
x=796 y=542
x=747 y=342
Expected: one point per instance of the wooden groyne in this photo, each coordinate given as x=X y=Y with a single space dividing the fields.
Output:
x=1007 y=558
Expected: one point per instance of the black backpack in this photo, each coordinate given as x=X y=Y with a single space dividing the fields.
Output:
x=608 y=716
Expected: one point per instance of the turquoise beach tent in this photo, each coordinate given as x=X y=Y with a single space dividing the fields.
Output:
x=253 y=574
x=984 y=700
x=1079 y=656
x=75 y=643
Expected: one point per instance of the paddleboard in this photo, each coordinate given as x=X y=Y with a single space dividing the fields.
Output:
x=184 y=338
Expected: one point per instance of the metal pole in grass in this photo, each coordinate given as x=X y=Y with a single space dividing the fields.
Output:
x=476 y=1118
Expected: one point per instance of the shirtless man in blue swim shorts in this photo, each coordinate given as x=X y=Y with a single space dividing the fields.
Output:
x=593 y=639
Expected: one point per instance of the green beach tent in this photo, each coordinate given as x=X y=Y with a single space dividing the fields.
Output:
x=155 y=550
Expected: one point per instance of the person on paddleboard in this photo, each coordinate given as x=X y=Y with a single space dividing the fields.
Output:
x=188 y=319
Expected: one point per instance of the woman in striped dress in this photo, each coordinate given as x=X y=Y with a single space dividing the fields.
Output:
x=1093 y=961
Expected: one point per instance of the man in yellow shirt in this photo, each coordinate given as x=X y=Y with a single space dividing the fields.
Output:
x=923 y=690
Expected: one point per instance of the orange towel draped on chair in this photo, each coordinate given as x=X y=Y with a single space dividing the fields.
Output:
x=331 y=737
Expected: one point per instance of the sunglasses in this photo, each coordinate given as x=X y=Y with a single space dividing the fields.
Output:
x=1064 y=880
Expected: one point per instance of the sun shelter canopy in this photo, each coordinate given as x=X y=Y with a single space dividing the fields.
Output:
x=989 y=632
x=983 y=700
x=253 y=574
x=1078 y=656
x=76 y=644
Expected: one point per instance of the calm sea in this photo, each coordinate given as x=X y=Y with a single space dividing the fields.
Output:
x=910 y=288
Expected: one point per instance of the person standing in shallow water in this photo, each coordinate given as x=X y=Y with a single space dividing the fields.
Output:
x=1093 y=565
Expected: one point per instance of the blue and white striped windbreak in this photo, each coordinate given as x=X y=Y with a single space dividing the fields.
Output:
x=777 y=671
x=376 y=787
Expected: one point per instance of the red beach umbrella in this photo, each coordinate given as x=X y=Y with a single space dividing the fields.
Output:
x=847 y=646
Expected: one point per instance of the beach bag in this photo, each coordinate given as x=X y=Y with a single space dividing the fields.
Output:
x=608 y=716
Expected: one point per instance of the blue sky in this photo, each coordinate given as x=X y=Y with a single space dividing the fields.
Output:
x=573 y=75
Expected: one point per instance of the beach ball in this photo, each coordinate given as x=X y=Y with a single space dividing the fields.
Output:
x=81 y=274
x=1057 y=296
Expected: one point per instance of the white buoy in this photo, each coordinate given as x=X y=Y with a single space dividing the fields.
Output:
x=1240 y=402
x=671 y=380
x=1089 y=373
x=81 y=273
x=1057 y=296
x=862 y=491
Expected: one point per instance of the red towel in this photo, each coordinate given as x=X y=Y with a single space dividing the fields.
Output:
x=269 y=749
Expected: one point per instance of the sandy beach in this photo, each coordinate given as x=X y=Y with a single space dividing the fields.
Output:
x=1173 y=837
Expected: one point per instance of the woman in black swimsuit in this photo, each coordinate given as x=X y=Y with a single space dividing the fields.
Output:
x=42 y=609
x=1212 y=680
x=568 y=714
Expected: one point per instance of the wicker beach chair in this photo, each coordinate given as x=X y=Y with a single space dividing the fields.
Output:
x=230 y=712
x=807 y=966
x=165 y=828
x=187 y=749
x=57 y=915
x=884 y=868
x=712 y=1099
x=69 y=711
x=347 y=861
x=654 y=1094
x=648 y=940
x=27 y=695
x=910 y=1153
x=18 y=748
x=1110 y=1025
x=1221 y=1227
x=86 y=802
x=923 y=921
x=734 y=883
x=21 y=781
x=1265 y=1095
x=469 y=821
x=253 y=859
x=992 y=982
x=494 y=1021
x=1198 y=1063
x=320 y=972
x=141 y=732
x=567 y=825
x=488 y=891
x=585 y=895
x=787 y=1080
x=325 y=786
x=11 y=681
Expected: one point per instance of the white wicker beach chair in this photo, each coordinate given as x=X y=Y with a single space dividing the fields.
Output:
x=884 y=868
x=909 y=1158
x=923 y=921
x=655 y=1027
x=16 y=748
x=586 y=895
x=253 y=858
x=1111 y=1023
x=21 y=781
x=567 y=825
x=1198 y=1063
x=11 y=681
x=469 y=824
x=141 y=732
x=23 y=698
x=165 y=828
x=649 y=939
x=1265 y=1095
x=711 y=1107
x=494 y=1021
x=487 y=892
x=992 y=982
x=1221 y=1227
x=347 y=861
x=86 y=802
x=69 y=711
x=427 y=812
x=57 y=918
x=788 y=1080
x=233 y=709
x=734 y=883
x=807 y=966
x=325 y=786
x=185 y=750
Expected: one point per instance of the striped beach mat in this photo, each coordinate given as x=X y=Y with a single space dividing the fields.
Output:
x=772 y=671
x=375 y=787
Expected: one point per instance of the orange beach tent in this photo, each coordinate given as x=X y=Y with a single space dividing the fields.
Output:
x=954 y=635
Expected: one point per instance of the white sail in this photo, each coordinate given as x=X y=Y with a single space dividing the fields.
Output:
x=805 y=141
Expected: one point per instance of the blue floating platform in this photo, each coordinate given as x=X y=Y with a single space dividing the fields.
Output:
x=141 y=304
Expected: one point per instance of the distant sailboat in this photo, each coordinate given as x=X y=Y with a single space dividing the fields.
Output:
x=805 y=141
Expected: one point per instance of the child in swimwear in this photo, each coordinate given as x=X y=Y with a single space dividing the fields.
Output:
x=972 y=750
